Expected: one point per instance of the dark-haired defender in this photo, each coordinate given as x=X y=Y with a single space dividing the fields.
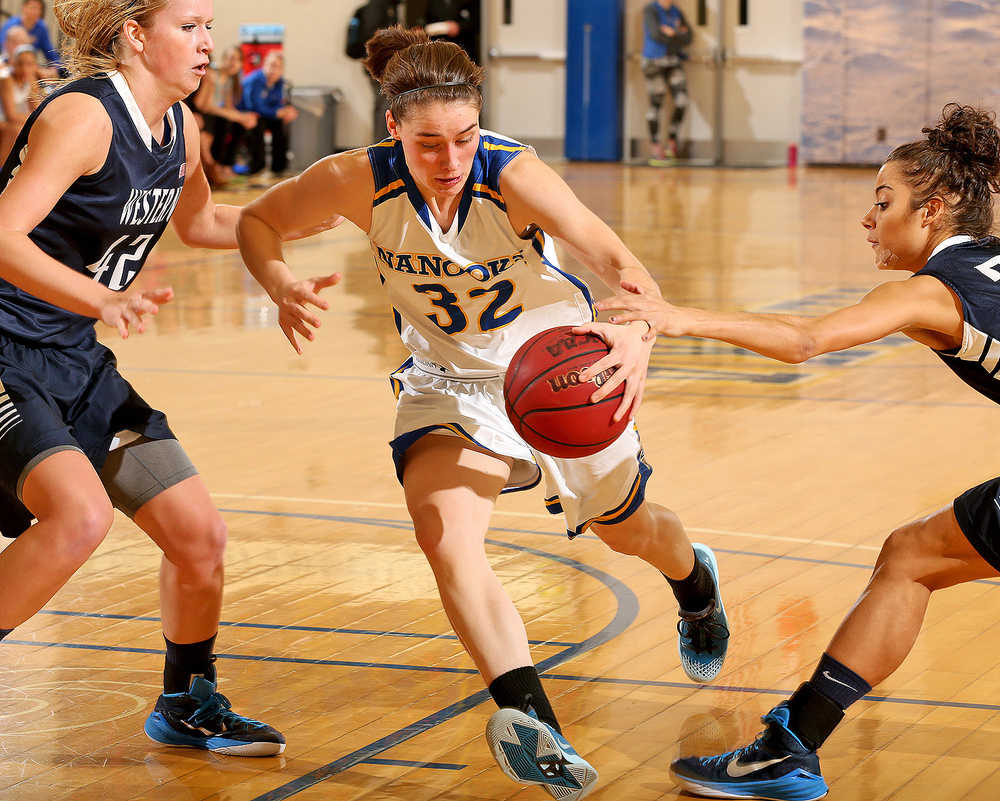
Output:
x=932 y=216
x=94 y=177
x=459 y=222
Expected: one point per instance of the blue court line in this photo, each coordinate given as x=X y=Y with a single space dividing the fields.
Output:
x=408 y=764
x=400 y=524
x=677 y=685
x=626 y=612
x=290 y=627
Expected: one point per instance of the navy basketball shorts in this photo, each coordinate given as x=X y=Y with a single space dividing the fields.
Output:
x=978 y=513
x=55 y=399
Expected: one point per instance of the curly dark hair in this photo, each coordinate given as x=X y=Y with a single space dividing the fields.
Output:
x=959 y=162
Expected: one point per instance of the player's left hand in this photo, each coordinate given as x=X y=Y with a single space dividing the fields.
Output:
x=629 y=354
x=636 y=304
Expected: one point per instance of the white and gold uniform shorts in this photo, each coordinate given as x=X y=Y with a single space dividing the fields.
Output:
x=606 y=487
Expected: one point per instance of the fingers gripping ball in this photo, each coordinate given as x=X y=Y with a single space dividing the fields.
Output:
x=549 y=406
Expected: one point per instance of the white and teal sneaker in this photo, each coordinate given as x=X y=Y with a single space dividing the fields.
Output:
x=532 y=752
x=704 y=635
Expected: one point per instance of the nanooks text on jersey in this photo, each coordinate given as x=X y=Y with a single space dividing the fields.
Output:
x=427 y=264
x=150 y=206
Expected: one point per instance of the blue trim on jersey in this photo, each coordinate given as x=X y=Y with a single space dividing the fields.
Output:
x=395 y=383
x=538 y=242
x=401 y=444
x=397 y=318
x=634 y=499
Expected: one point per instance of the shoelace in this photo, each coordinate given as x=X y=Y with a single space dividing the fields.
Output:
x=738 y=754
x=217 y=710
x=702 y=629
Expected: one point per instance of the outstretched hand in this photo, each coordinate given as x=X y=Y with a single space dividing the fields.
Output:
x=125 y=311
x=635 y=304
x=629 y=354
x=293 y=314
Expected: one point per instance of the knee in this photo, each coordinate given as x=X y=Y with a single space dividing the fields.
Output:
x=902 y=554
x=204 y=551
x=624 y=538
x=82 y=528
x=429 y=530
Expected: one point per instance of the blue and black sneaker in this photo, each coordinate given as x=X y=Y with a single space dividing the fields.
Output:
x=532 y=752
x=776 y=766
x=203 y=718
x=704 y=635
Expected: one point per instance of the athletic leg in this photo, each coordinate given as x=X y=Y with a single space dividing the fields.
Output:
x=873 y=640
x=154 y=483
x=655 y=534
x=677 y=83
x=74 y=514
x=451 y=489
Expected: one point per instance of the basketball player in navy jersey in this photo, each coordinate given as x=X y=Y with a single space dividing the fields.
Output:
x=933 y=217
x=459 y=222
x=94 y=177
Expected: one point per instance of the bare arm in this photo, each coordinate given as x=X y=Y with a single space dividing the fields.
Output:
x=48 y=169
x=534 y=193
x=334 y=188
x=198 y=219
x=921 y=307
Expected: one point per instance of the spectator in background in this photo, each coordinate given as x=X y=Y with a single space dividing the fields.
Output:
x=455 y=21
x=367 y=19
x=264 y=94
x=225 y=125
x=15 y=37
x=31 y=19
x=19 y=94
x=666 y=37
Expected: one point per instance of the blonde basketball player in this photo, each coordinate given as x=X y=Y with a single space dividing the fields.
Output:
x=459 y=222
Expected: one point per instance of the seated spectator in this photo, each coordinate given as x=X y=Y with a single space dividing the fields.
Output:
x=217 y=99
x=20 y=94
x=264 y=94
x=31 y=19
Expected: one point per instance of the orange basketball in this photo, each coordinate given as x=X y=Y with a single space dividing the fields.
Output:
x=548 y=404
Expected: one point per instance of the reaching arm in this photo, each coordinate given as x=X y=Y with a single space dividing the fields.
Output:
x=331 y=190
x=921 y=307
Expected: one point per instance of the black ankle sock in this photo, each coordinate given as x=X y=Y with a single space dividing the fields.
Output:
x=812 y=716
x=695 y=592
x=5 y=632
x=838 y=682
x=513 y=687
x=185 y=661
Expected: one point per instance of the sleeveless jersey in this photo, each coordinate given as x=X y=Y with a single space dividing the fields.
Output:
x=105 y=224
x=971 y=269
x=465 y=299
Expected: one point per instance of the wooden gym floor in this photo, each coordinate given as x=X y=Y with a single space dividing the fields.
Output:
x=333 y=630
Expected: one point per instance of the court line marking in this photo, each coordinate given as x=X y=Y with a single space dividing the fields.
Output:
x=406 y=763
x=546 y=516
x=288 y=627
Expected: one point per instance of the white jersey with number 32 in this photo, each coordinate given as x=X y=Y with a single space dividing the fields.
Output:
x=465 y=299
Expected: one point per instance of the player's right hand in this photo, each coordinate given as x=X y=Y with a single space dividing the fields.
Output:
x=125 y=311
x=293 y=314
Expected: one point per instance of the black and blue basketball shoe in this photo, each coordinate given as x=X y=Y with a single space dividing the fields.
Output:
x=203 y=718
x=704 y=635
x=776 y=766
x=532 y=752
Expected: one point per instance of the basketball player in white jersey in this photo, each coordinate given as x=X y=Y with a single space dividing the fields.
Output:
x=459 y=222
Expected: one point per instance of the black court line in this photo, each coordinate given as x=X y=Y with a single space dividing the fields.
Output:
x=289 y=627
x=406 y=763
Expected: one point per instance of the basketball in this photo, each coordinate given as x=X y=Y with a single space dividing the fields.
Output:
x=546 y=401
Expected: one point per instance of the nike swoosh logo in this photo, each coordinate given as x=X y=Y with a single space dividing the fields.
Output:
x=738 y=770
x=826 y=675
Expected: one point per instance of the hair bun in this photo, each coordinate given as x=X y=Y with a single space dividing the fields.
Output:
x=385 y=43
x=969 y=135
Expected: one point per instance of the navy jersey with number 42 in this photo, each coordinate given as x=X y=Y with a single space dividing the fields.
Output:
x=971 y=269
x=105 y=224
